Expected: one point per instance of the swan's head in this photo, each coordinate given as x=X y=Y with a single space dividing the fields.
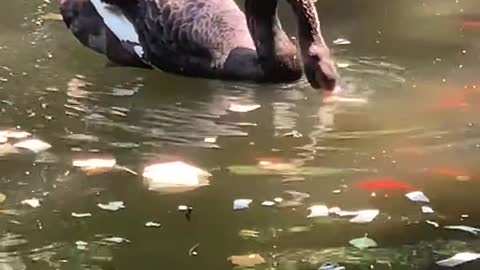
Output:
x=319 y=67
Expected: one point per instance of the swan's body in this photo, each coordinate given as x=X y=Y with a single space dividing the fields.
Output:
x=204 y=38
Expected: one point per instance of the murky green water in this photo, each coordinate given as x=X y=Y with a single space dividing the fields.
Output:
x=409 y=60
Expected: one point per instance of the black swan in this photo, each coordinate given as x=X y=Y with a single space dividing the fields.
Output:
x=205 y=38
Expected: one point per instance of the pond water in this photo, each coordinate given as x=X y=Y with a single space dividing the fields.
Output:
x=407 y=120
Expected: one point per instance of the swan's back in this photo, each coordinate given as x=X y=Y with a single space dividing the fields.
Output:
x=191 y=33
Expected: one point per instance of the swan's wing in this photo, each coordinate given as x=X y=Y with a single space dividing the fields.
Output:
x=189 y=29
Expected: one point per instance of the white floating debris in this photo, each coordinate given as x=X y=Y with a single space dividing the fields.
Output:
x=318 y=211
x=468 y=229
x=94 y=163
x=210 y=140
x=241 y=204
x=249 y=260
x=116 y=240
x=363 y=243
x=183 y=208
x=32 y=202
x=365 y=216
x=33 y=145
x=433 y=223
x=175 y=175
x=342 y=41
x=343 y=64
x=427 y=210
x=112 y=206
x=417 y=196
x=459 y=258
x=14 y=134
x=153 y=224
x=81 y=215
x=339 y=212
x=243 y=107
x=268 y=203
x=3 y=139
x=81 y=245
x=278 y=199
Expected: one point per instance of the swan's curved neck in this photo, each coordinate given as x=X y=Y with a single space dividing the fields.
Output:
x=276 y=53
x=274 y=48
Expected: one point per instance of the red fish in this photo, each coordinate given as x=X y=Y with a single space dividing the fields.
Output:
x=447 y=172
x=471 y=25
x=384 y=184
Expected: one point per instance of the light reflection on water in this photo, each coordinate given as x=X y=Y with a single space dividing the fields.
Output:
x=64 y=95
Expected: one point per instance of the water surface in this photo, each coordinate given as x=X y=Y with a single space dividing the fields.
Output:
x=412 y=62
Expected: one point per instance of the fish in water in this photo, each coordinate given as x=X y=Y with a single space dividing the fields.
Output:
x=205 y=38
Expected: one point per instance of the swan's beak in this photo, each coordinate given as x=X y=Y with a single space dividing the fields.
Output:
x=320 y=69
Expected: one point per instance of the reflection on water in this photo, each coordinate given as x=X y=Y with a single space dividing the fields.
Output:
x=406 y=119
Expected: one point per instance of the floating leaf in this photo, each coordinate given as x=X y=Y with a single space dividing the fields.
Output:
x=3 y=197
x=249 y=260
x=241 y=204
x=243 y=107
x=363 y=243
x=32 y=202
x=318 y=211
x=175 y=176
x=459 y=258
x=365 y=216
x=468 y=229
x=33 y=145
x=112 y=206
x=417 y=196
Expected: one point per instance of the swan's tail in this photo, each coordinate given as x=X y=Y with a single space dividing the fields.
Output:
x=86 y=19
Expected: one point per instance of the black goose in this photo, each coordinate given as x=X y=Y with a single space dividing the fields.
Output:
x=205 y=38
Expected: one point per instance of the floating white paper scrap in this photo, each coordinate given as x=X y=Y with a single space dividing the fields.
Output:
x=417 y=196
x=459 y=258
x=152 y=224
x=112 y=206
x=278 y=199
x=81 y=215
x=342 y=41
x=116 y=239
x=81 y=245
x=365 y=216
x=33 y=145
x=32 y=202
x=243 y=107
x=433 y=223
x=318 y=211
x=175 y=174
x=363 y=243
x=241 y=204
x=183 y=208
x=468 y=229
x=94 y=163
x=14 y=134
x=427 y=210
x=268 y=203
